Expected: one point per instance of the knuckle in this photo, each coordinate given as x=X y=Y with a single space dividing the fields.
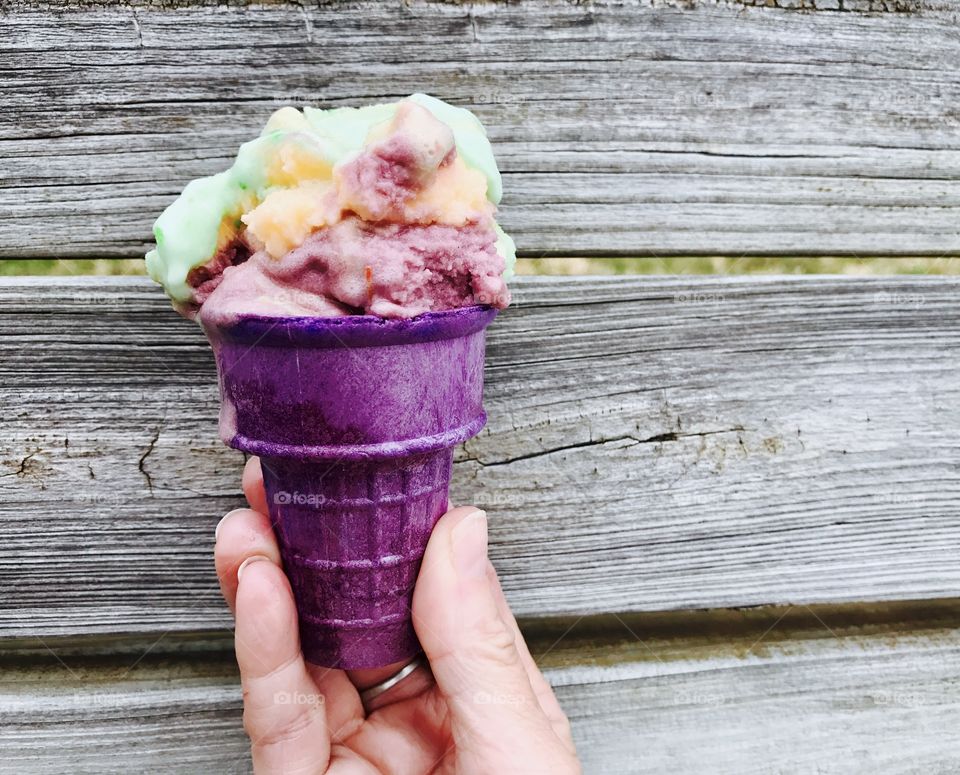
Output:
x=495 y=643
x=278 y=731
x=276 y=674
x=489 y=649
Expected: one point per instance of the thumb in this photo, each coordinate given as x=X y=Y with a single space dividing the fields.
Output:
x=494 y=711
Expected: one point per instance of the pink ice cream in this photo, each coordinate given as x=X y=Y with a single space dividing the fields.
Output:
x=356 y=267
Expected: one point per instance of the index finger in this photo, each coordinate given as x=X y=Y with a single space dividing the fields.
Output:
x=241 y=534
x=252 y=484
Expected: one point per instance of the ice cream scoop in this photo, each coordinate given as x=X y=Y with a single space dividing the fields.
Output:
x=386 y=210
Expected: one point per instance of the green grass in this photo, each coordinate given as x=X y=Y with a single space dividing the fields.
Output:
x=575 y=266
x=724 y=265
x=53 y=266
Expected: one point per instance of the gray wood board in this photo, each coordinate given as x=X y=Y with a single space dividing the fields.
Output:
x=621 y=127
x=830 y=705
x=653 y=444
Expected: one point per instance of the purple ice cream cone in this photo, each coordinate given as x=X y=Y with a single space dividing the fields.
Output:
x=355 y=420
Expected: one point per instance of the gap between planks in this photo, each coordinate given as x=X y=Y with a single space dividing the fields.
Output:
x=566 y=642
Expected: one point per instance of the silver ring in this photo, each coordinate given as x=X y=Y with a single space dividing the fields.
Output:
x=372 y=692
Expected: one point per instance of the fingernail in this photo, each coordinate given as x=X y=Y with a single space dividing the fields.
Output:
x=469 y=541
x=246 y=562
x=224 y=518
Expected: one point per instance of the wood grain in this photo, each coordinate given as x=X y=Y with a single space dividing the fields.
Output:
x=838 y=708
x=834 y=701
x=623 y=128
x=653 y=444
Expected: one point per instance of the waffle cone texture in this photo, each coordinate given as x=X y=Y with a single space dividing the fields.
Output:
x=355 y=420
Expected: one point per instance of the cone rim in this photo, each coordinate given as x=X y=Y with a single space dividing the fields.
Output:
x=349 y=331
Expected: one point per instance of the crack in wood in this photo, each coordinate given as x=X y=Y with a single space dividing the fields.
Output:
x=143 y=459
x=136 y=27
x=659 y=438
x=22 y=469
x=307 y=21
x=865 y=7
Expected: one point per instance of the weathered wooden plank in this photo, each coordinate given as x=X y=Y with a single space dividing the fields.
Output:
x=653 y=443
x=832 y=710
x=622 y=127
x=759 y=696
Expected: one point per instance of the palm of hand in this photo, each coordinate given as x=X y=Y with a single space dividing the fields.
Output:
x=413 y=730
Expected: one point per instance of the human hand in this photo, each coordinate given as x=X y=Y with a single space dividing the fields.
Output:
x=482 y=707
